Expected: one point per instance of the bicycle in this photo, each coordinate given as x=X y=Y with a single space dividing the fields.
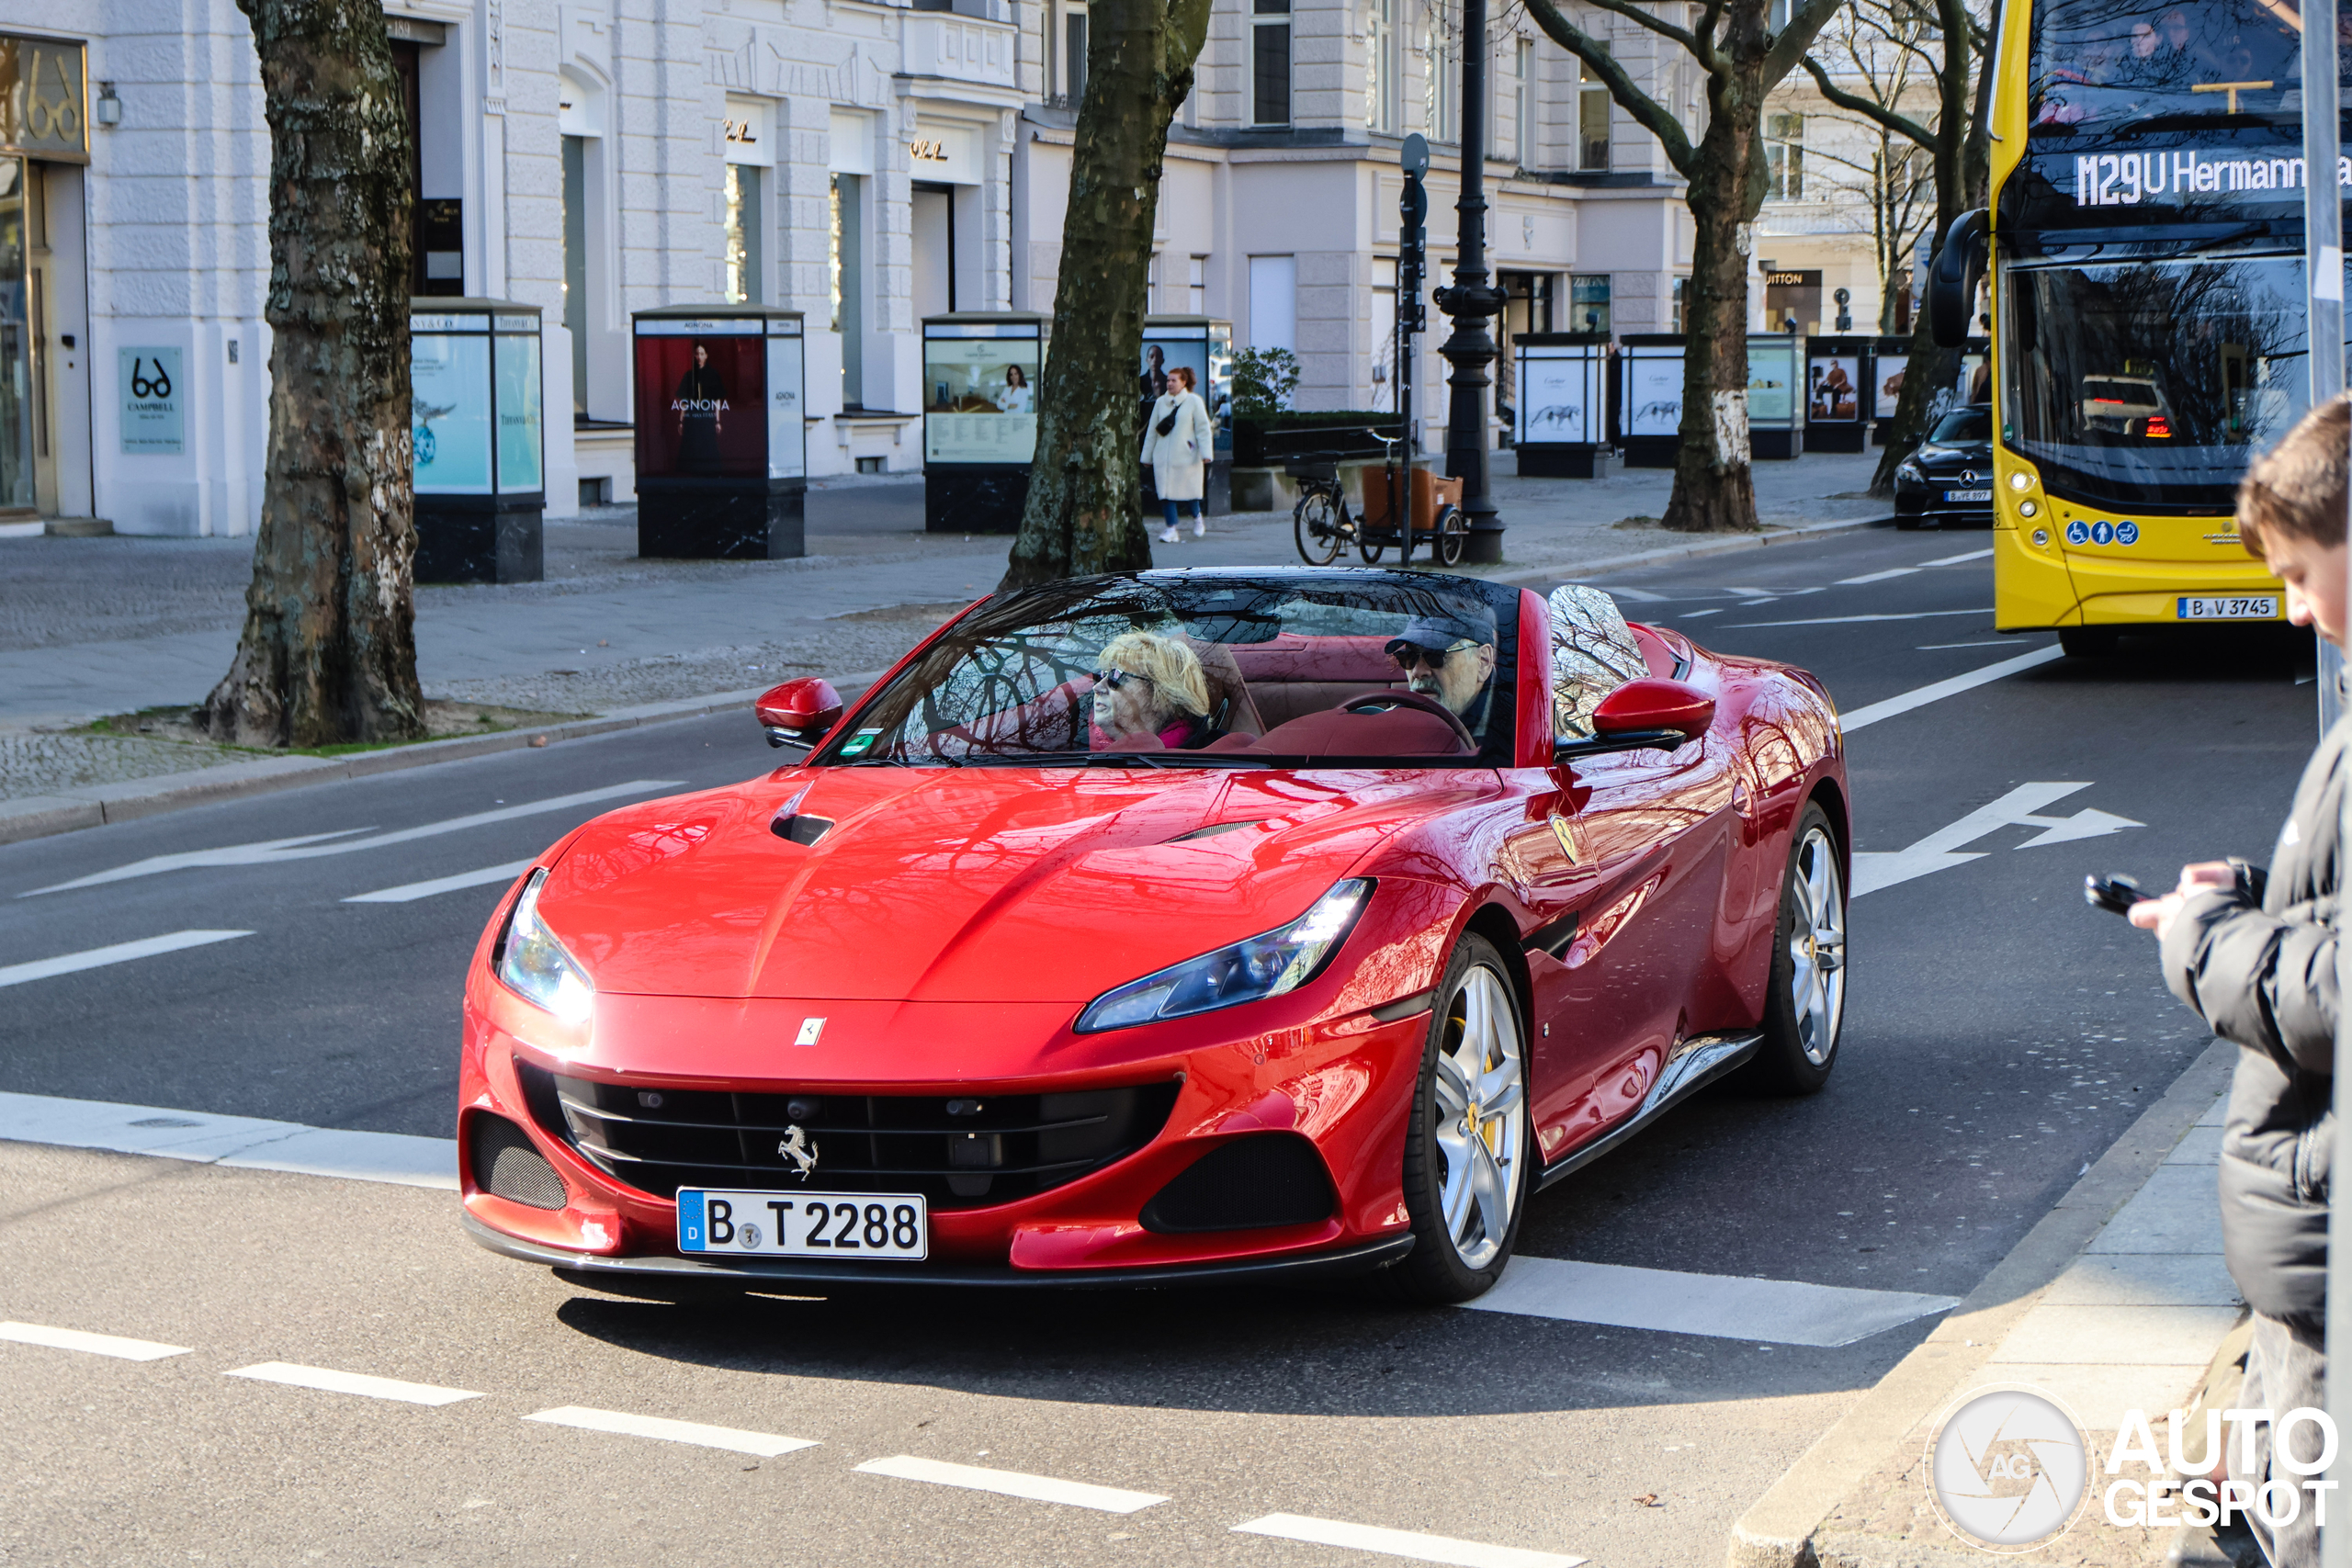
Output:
x=1321 y=523
x=1324 y=526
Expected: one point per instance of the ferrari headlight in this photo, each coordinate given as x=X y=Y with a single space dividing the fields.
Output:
x=1248 y=971
x=535 y=966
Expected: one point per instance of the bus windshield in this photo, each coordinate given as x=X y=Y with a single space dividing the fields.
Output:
x=2151 y=384
x=2098 y=64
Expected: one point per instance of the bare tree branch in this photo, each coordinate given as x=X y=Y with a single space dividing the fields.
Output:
x=1655 y=24
x=1877 y=114
x=1655 y=117
x=1790 y=46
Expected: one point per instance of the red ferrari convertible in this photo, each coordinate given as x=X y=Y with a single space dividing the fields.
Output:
x=1169 y=926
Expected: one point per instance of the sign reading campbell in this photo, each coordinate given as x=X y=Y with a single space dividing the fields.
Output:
x=44 y=107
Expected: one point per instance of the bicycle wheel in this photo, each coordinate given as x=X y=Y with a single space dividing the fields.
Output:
x=1315 y=523
x=1369 y=547
x=1453 y=534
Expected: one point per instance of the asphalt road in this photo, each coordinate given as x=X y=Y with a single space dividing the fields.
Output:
x=1999 y=1036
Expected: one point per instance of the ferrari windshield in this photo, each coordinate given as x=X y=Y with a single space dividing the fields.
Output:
x=1209 y=669
x=2104 y=63
x=2152 y=383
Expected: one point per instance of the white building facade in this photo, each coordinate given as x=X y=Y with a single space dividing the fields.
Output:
x=866 y=164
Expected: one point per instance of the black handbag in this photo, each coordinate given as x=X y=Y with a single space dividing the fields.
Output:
x=1168 y=425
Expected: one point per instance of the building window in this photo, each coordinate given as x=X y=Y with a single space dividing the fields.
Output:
x=1443 y=83
x=1523 y=102
x=1383 y=69
x=1270 y=62
x=1784 y=157
x=575 y=265
x=1196 y=286
x=1589 y=302
x=1074 y=53
x=843 y=252
x=1680 y=284
x=1151 y=301
x=744 y=234
x=1592 y=119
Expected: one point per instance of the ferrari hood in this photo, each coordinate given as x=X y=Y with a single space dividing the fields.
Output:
x=962 y=885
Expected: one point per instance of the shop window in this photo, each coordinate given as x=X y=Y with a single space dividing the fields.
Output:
x=1784 y=157
x=1593 y=109
x=844 y=247
x=1270 y=62
x=1589 y=302
x=743 y=268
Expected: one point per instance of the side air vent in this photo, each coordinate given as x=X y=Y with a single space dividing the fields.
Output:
x=507 y=1165
x=797 y=829
x=1265 y=1179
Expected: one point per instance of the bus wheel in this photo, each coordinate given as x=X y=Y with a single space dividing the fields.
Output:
x=2088 y=642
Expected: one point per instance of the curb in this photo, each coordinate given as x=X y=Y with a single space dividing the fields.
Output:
x=1777 y=1531
x=38 y=817
x=1606 y=566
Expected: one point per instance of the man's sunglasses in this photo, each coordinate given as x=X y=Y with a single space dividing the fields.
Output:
x=1408 y=654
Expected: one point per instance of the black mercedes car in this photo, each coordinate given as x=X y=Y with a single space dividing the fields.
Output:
x=1949 y=481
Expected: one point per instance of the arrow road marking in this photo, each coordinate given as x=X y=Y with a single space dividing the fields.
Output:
x=275 y=849
x=1940 y=851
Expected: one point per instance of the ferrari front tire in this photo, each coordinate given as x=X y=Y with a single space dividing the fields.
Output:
x=1804 y=1006
x=1470 y=1148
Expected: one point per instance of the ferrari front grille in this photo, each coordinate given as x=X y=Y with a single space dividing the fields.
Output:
x=960 y=1152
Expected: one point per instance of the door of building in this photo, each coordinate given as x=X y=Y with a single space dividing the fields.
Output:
x=17 y=380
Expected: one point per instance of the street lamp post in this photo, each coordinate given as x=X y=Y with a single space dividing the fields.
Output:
x=1470 y=301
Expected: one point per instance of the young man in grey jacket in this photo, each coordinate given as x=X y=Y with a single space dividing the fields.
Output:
x=2254 y=953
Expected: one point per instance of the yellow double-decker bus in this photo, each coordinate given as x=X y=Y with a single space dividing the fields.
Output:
x=2143 y=254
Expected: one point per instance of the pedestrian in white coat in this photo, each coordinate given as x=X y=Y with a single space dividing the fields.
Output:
x=1176 y=439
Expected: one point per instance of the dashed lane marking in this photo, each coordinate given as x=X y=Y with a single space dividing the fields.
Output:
x=120 y=952
x=1410 y=1544
x=1722 y=1306
x=409 y=892
x=312 y=845
x=247 y=1141
x=1848 y=620
x=733 y=1439
x=1936 y=692
x=1012 y=1483
x=329 y=1380
x=91 y=1344
x=1988 y=642
x=1889 y=573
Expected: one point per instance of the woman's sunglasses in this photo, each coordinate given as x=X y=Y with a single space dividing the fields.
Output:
x=1115 y=679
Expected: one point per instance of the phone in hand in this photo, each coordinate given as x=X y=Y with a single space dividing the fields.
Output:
x=2115 y=892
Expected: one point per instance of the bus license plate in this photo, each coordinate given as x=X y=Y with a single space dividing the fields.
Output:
x=895 y=1225
x=1968 y=495
x=2243 y=607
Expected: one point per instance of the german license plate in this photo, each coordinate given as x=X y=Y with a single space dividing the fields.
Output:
x=2241 y=607
x=894 y=1225
x=1968 y=495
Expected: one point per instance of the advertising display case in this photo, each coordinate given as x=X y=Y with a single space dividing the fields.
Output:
x=477 y=440
x=1838 y=393
x=1561 y=414
x=1889 y=357
x=1775 y=412
x=723 y=445
x=980 y=370
x=1204 y=346
x=1649 y=366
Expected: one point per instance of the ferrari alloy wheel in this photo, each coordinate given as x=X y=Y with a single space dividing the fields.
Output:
x=1468 y=1153
x=1805 y=1007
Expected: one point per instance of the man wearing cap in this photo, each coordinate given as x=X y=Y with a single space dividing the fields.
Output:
x=1450 y=655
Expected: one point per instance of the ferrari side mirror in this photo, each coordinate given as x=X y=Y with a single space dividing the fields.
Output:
x=1639 y=714
x=798 y=713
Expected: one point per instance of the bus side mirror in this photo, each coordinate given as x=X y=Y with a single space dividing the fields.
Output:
x=1952 y=278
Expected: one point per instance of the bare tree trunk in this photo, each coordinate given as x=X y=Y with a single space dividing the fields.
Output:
x=329 y=649
x=1081 y=516
x=1714 y=484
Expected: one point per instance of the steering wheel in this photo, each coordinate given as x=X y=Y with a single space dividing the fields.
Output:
x=1381 y=701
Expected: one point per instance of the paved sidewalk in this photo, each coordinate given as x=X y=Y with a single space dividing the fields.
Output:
x=96 y=626
x=2131 y=1324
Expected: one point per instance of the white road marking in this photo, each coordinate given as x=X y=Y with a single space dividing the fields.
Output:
x=1012 y=1483
x=1937 y=691
x=1640 y=596
x=410 y=892
x=1988 y=642
x=1848 y=620
x=1955 y=560
x=1892 y=571
x=311 y=846
x=732 y=1439
x=1694 y=614
x=1940 y=851
x=1722 y=1306
x=1410 y=1544
x=327 y=1380
x=247 y=1142
x=94 y=1344
x=120 y=952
